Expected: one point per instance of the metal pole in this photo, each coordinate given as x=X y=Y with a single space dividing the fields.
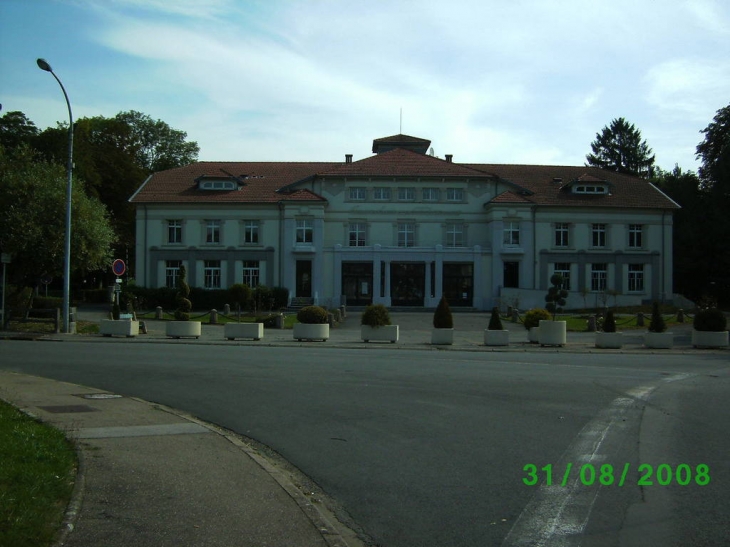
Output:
x=69 y=186
x=2 y=325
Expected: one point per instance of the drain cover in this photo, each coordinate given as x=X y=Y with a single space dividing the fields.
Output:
x=101 y=396
x=67 y=409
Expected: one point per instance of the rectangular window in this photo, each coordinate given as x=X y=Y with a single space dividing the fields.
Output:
x=358 y=193
x=454 y=235
x=174 y=231
x=213 y=231
x=381 y=193
x=406 y=234
x=406 y=194
x=172 y=273
x=636 y=278
x=599 y=235
x=635 y=236
x=430 y=194
x=250 y=232
x=561 y=234
x=454 y=194
x=563 y=269
x=512 y=234
x=212 y=274
x=598 y=277
x=305 y=230
x=357 y=234
x=251 y=272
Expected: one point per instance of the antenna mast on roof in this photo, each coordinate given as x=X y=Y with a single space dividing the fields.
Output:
x=400 y=131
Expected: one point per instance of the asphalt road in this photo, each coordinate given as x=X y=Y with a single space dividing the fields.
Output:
x=429 y=448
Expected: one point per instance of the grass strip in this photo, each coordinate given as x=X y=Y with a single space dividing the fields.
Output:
x=37 y=472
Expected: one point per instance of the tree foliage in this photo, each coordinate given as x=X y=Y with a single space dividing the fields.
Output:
x=714 y=152
x=16 y=129
x=33 y=219
x=619 y=147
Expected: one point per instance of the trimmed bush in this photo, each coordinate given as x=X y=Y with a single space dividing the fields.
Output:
x=609 y=324
x=495 y=322
x=710 y=320
x=657 y=323
x=375 y=315
x=534 y=316
x=280 y=296
x=312 y=315
x=240 y=295
x=184 y=306
x=555 y=298
x=442 y=318
x=262 y=298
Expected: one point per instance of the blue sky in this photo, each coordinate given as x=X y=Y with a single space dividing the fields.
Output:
x=488 y=81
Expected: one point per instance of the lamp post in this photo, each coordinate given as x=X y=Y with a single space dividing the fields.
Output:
x=43 y=65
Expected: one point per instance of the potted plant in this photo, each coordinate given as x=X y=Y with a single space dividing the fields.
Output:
x=312 y=324
x=443 y=324
x=552 y=332
x=710 y=329
x=656 y=337
x=532 y=322
x=608 y=337
x=182 y=326
x=375 y=325
x=496 y=335
x=240 y=295
x=115 y=326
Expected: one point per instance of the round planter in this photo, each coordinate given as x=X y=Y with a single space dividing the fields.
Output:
x=308 y=331
x=659 y=340
x=533 y=335
x=183 y=329
x=442 y=337
x=609 y=340
x=496 y=337
x=552 y=333
x=243 y=330
x=709 y=339
x=386 y=333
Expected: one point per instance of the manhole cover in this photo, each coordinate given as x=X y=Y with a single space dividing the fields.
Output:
x=67 y=409
x=101 y=396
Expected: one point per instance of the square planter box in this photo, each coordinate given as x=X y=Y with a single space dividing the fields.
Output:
x=659 y=340
x=442 y=337
x=533 y=335
x=306 y=331
x=496 y=337
x=609 y=340
x=552 y=333
x=709 y=339
x=183 y=329
x=386 y=333
x=243 y=330
x=110 y=327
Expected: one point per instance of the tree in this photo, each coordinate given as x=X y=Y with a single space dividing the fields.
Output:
x=16 y=129
x=619 y=148
x=714 y=152
x=33 y=220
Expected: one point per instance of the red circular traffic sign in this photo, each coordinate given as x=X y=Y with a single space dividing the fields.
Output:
x=119 y=267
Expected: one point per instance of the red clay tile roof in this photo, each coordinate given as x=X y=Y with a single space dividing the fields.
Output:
x=510 y=197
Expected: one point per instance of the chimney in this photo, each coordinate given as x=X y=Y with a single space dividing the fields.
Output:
x=449 y=158
x=348 y=158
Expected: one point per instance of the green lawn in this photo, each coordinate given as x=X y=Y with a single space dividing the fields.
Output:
x=37 y=472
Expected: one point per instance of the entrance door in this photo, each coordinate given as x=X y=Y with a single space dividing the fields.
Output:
x=407 y=283
x=512 y=275
x=304 y=278
x=357 y=283
x=458 y=284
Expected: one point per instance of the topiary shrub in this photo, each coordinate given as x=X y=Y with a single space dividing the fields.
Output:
x=442 y=318
x=240 y=295
x=495 y=322
x=609 y=324
x=312 y=315
x=534 y=316
x=262 y=298
x=710 y=320
x=657 y=323
x=375 y=315
x=555 y=298
x=184 y=306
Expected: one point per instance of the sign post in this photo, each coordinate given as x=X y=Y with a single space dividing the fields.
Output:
x=118 y=267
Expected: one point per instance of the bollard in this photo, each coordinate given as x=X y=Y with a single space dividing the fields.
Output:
x=509 y=311
x=331 y=319
x=343 y=311
x=640 y=320
x=680 y=316
x=227 y=309
x=338 y=315
x=213 y=317
x=515 y=316
x=279 y=321
x=158 y=313
x=592 y=323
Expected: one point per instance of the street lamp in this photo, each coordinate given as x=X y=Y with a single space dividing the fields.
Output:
x=43 y=65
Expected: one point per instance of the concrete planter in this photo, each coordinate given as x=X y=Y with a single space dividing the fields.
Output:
x=110 y=327
x=709 y=339
x=386 y=333
x=243 y=330
x=183 y=329
x=442 y=337
x=609 y=340
x=533 y=335
x=552 y=333
x=659 y=340
x=496 y=337
x=307 y=331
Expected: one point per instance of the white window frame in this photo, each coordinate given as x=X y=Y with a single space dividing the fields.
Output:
x=430 y=194
x=358 y=193
x=251 y=273
x=455 y=195
x=563 y=268
x=213 y=231
x=636 y=278
x=599 y=277
x=359 y=231
x=406 y=234
x=174 y=229
x=454 y=234
x=636 y=236
x=381 y=193
x=562 y=235
x=212 y=274
x=172 y=273
x=599 y=235
x=304 y=231
x=406 y=194
x=511 y=233
x=251 y=232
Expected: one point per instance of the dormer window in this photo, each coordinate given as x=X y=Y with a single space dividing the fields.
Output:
x=217 y=183
x=590 y=189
